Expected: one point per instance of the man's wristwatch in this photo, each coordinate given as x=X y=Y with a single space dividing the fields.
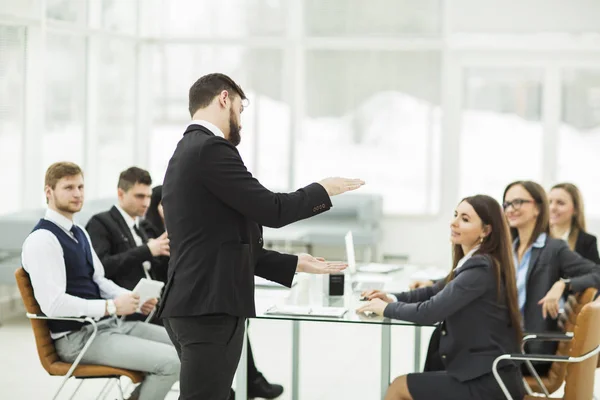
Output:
x=111 y=308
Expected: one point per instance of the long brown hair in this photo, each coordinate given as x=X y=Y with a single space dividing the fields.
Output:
x=542 y=223
x=578 y=220
x=497 y=246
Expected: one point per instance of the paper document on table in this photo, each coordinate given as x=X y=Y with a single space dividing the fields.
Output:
x=333 y=312
x=259 y=281
x=380 y=268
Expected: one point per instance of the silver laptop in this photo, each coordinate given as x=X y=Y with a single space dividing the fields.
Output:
x=352 y=268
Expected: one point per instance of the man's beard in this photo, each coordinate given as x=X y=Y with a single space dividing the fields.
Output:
x=234 y=130
x=67 y=207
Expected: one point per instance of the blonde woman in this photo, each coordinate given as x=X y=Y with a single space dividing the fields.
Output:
x=567 y=221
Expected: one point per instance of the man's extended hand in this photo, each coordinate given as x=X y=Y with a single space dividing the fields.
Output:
x=335 y=186
x=318 y=265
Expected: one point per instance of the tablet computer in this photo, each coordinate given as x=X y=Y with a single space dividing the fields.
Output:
x=147 y=289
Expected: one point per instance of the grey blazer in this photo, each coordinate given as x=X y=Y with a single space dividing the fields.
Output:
x=548 y=264
x=475 y=322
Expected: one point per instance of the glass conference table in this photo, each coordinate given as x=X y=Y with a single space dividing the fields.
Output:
x=308 y=292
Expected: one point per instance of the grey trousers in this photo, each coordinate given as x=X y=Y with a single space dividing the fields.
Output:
x=131 y=345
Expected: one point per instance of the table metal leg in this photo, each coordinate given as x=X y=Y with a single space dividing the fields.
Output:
x=386 y=357
x=295 y=360
x=241 y=382
x=417 y=359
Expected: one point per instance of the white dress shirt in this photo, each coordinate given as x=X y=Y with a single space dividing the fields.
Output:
x=465 y=258
x=131 y=223
x=210 y=126
x=43 y=259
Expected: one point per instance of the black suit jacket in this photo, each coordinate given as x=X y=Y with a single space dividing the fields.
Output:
x=121 y=257
x=587 y=246
x=548 y=264
x=476 y=326
x=214 y=212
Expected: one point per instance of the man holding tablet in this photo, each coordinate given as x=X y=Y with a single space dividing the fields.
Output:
x=68 y=281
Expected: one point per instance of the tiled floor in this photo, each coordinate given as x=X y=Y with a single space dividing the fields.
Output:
x=338 y=361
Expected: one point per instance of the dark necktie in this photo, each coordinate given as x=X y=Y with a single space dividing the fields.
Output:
x=79 y=235
x=141 y=233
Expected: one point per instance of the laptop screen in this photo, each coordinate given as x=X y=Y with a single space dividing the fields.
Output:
x=350 y=257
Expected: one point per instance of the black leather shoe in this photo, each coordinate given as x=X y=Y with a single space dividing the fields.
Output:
x=263 y=389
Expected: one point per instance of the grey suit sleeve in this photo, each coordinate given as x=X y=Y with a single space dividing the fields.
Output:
x=421 y=294
x=583 y=272
x=466 y=287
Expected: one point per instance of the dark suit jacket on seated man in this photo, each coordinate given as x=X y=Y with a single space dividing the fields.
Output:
x=214 y=210
x=68 y=281
x=121 y=242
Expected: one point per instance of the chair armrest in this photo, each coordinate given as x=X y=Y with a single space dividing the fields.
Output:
x=87 y=343
x=542 y=336
x=78 y=319
x=536 y=357
x=548 y=336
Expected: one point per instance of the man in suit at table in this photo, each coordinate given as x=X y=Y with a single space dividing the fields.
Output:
x=214 y=212
x=117 y=236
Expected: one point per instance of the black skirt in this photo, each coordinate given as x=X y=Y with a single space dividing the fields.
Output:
x=438 y=385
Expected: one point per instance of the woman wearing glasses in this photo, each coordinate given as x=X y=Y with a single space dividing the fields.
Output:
x=567 y=221
x=545 y=266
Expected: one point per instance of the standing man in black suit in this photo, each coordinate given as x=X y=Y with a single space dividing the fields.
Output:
x=118 y=238
x=214 y=212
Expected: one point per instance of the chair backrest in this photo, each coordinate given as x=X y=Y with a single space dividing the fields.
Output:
x=568 y=321
x=580 y=376
x=43 y=340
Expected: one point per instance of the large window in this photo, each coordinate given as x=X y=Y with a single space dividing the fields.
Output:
x=501 y=138
x=74 y=11
x=12 y=101
x=518 y=17
x=579 y=134
x=115 y=123
x=359 y=18
x=21 y=8
x=265 y=123
x=223 y=18
x=119 y=15
x=64 y=133
x=374 y=115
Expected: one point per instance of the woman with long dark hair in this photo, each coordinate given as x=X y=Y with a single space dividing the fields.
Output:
x=476 y=306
